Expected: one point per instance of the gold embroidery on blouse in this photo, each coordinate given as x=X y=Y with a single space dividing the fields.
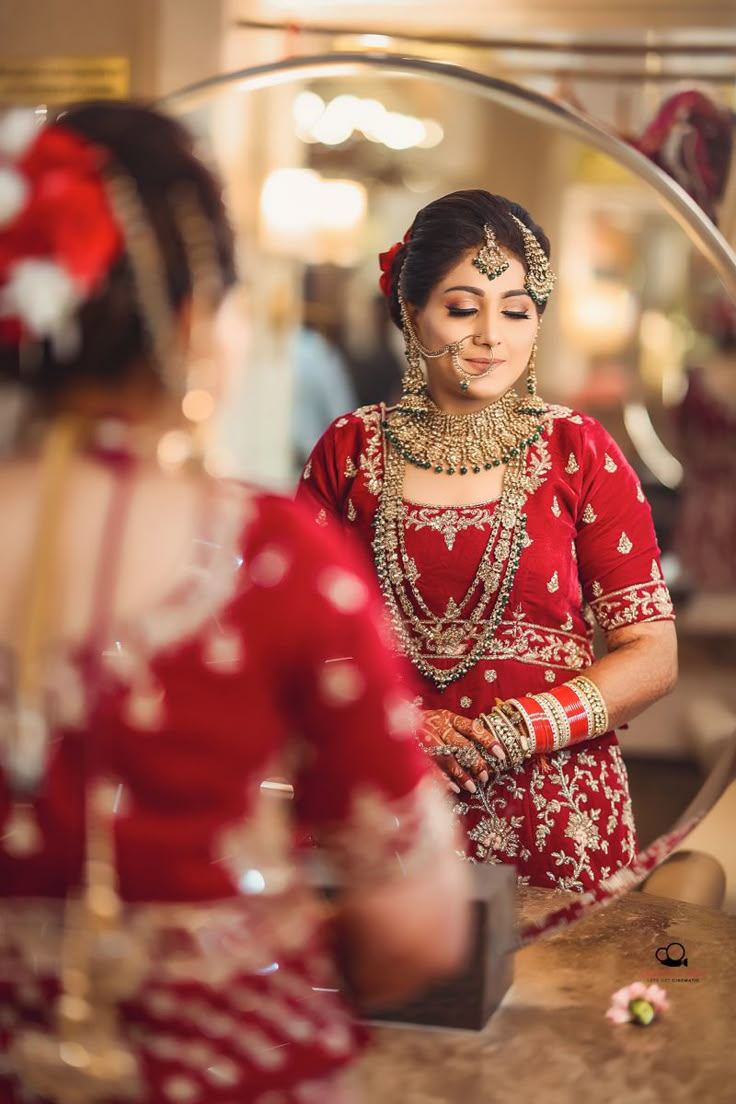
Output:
x=567 y=623
x=321 y=517
x=572 y=465
x=350 y=469
x=642 y=602
x=624 y=545
x=597 y=589
x=555 y=507
x=640 y=493
x=307 y=470
x=610 y=464
x=491 y=674
x=554 y=584
x=656 y=573
x=448 y=520
x=370 y=461
x=466 y=702
x=574 y=550
x=352 y=512
x=539 y=644
x=550 y=676
x=589 y=515
x=555 y=410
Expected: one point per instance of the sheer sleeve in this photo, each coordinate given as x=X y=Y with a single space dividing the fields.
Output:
x=361 y=783
x=618 y=555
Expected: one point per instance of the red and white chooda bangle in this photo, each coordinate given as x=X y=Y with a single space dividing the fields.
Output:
x=567 y=715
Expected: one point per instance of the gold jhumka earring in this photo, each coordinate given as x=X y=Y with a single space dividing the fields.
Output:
x=531 y=376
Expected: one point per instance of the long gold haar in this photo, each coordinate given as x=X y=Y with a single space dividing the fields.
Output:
x=444 y=647
x=460 y=636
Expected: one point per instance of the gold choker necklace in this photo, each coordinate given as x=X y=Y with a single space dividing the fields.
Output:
x=428 y=438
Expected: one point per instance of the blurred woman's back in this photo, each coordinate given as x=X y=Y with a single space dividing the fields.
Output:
x=168 y=642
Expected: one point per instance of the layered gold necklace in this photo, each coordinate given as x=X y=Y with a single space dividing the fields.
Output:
x=428 y=438
x=444 y=647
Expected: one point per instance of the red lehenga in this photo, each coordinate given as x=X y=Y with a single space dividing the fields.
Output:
x=589 y=555
x=271 y=663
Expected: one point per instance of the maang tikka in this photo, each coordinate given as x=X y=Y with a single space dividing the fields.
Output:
x=490 y=260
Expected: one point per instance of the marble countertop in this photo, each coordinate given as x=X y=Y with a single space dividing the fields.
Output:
x=549 y=1040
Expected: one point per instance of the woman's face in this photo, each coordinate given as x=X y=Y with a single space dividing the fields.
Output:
x=496 y=318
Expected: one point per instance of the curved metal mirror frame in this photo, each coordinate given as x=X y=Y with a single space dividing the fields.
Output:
x=706 y=238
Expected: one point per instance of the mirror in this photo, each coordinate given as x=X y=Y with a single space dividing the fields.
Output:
x=326 y=162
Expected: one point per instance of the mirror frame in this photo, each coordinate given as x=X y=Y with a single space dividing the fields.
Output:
x=698 y=227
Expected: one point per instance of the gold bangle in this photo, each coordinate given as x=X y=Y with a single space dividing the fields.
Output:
x=493 y=762
x=524 y=720
x=562 y=736
x=510 y=741
x=594 y=702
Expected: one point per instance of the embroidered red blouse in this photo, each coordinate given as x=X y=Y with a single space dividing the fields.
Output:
x=270 y=664
x=590 y=556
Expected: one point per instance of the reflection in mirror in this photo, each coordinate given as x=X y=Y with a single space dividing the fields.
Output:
x=323 y=174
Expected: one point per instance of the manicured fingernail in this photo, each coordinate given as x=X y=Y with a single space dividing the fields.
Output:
x=455 y=788
x=470 y=786
x=499 y=754
x=483 y=776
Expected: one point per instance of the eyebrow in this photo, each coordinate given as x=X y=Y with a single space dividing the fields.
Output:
x=481 y=294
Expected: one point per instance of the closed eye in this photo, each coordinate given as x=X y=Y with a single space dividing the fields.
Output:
x=516 y=314
x=461 y=312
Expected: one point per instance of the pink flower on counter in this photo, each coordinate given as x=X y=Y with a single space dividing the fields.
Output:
x=637 y=1003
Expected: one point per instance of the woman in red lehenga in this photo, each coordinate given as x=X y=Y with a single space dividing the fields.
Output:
x=167 y=644
x=502 y=530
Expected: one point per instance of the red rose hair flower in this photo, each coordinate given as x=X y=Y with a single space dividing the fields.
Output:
x=386 y=261
x=58 y=234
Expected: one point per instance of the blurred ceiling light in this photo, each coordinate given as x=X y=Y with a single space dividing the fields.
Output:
x=599 y=317
x=343 y=204
x=402 y=131
x=377 y=41
x=310 y=216
x=306 y=109
x=337 y=122
x=333 y=123
x=433 y=134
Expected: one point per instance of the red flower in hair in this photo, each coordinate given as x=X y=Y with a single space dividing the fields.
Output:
x=58 y=234
x=386 y=261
